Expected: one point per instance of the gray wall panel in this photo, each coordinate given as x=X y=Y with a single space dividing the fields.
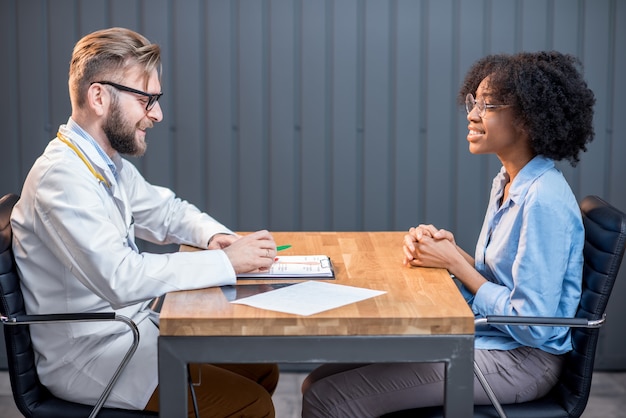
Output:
x=59 y=57
x=220 y=123
x=320 y=114
x=595 y=50
x=33 y=93
x=314 y=99
x=159 y=167
x=377 y=143
x=91 y=15
x=473 y=174
x=613 y=339
x=125 y=13
x=10 y=168
x=440 y=95
x=406 y=114
x=345 y=134
x=188 y=72
x=282 y=160
x=537 y=35
x=253 y=110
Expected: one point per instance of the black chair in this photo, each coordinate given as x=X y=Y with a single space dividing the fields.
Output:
x=31 y=397
x=605 y=238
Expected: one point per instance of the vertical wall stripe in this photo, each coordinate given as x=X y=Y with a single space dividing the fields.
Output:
x=360 y=111
x=174 y=109
x=519 y=14
x=550 y=25
x=297 y=89
x=422 y=160
x=11 y=173
x=392 y=110
x=46 y=94
x=328 y=116
x=455 y=81
x=575 y=178
x=610 y=98
x=487 y=26
x=234 y=109
x=265 y=112
x=331 y=170
x=202 y=103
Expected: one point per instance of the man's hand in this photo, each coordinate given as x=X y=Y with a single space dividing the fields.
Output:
x=253 y=252
x=221 y=241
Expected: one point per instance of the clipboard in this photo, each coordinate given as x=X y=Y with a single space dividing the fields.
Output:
x=296 y=267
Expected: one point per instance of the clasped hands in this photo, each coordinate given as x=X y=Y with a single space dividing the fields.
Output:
x=427 y=246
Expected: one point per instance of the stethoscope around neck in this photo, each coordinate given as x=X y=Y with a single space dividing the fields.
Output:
x=80 y=154
x=104 y=181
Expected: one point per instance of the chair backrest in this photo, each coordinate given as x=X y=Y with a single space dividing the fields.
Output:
x=605 y=239
x=24 y=380
x=31 y=397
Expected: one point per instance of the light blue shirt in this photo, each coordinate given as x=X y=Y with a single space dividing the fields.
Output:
x=73 y=126
x=531 y=251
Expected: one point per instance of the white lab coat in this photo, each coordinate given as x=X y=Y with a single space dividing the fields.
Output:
x=74 y=248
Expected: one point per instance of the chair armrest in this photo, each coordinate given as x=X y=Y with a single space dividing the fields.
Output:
x=85 y=317
x=541 y=321
x=527 y=320
x=66 y=317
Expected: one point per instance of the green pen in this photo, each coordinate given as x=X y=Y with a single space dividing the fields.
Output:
x=283 y=247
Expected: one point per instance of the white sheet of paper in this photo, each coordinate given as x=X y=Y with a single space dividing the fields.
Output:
x=308 y=298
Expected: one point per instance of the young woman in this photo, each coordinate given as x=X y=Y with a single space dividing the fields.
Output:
x=529 y=109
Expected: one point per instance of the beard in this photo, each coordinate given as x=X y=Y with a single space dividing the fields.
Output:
x=121 y=133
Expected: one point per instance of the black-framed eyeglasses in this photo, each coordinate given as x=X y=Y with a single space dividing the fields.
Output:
x=152 y=98
x=480 y=104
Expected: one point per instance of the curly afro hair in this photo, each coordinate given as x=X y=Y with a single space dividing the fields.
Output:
x=548 y=94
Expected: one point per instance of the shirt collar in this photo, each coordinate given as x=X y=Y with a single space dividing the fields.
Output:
x=527 y=175
x=76 y=128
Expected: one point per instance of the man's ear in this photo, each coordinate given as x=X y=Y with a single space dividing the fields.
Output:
x=98 y=99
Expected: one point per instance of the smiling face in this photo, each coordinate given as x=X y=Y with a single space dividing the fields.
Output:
x=494 y=133
x=126 y=123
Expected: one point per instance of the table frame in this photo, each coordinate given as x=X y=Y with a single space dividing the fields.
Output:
x=456 y=351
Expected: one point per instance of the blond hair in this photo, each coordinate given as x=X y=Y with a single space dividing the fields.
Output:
x=105 y=55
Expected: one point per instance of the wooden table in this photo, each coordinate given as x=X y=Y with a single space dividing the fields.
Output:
x=422 y=317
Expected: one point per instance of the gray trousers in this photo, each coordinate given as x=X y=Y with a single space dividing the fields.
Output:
x=371 y=390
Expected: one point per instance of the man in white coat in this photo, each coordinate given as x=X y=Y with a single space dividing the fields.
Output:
x=74 y=229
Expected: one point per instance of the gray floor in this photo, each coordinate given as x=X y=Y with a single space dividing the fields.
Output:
x=608 y=396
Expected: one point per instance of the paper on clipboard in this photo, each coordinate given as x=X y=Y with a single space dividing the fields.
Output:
x=296 y=266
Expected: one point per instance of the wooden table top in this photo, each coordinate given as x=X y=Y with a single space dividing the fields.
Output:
x=418 y=300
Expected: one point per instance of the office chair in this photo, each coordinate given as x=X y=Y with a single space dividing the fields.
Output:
x=31 y=397
x=605 y=239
